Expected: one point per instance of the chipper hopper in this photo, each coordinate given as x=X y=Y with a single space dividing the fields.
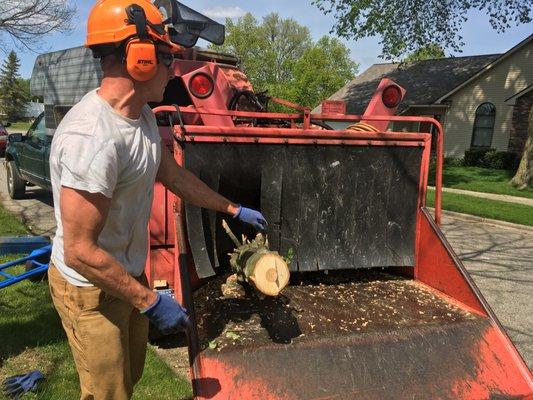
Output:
x=377 y=306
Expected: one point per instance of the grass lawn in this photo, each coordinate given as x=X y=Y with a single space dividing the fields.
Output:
x=479 y=179
x=32 y=338
x=493 y=209
x=10 y=226
x=19 y=126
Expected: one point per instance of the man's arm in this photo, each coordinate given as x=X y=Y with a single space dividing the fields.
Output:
x=187 y=186
x=83 y=215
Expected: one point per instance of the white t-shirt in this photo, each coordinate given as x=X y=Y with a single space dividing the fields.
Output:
x=97 y=150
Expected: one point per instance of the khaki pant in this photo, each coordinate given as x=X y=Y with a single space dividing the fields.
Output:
x=107 y=337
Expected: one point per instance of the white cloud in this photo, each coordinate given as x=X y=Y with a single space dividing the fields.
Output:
x=221 y=12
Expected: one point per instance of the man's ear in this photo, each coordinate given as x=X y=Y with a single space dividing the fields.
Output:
x=113 y=65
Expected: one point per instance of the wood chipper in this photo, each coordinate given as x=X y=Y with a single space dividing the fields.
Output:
x=377 y=305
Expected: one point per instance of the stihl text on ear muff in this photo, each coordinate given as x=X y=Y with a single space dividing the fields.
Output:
x=140 y=52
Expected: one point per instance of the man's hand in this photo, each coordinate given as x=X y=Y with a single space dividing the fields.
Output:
x=251 y=217
x=167 y=315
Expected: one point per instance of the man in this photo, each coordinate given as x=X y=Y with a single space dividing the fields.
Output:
x=105 y=156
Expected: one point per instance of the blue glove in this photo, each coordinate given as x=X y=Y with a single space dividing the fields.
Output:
x=167 y=315
x=251 y=217
x=17 y=385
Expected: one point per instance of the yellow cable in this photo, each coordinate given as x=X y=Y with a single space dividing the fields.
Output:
x=362 y=127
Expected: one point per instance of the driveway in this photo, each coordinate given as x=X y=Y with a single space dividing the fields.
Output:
x=499 y=258
x=36 y=210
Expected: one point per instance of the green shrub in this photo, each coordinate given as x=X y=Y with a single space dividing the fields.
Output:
x=500 y=160
x=453 y=161
x=474 y=157
x=490 y=158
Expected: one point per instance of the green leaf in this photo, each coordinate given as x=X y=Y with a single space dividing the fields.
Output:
x=428 y=52
x=405 y=26
x=290 y=255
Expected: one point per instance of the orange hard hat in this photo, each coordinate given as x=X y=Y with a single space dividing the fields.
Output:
x=109 y=22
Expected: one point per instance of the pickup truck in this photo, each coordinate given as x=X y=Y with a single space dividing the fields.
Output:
x=26 y=159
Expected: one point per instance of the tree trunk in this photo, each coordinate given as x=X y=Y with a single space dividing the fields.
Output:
x=524 y=175
x=253 y=262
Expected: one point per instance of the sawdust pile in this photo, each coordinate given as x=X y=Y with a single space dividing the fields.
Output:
x=318 y=306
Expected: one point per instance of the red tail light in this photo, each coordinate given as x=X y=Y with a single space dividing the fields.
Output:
x=201 y=85
x=392 y=95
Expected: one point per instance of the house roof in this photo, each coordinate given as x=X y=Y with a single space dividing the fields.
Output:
x=425 y=81
x=489 y=66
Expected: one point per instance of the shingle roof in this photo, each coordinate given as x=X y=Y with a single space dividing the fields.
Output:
x=425 y=81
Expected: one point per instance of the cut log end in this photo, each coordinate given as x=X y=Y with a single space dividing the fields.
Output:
x=271 y=274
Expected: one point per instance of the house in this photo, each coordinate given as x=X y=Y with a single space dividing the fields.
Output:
x=482 y=101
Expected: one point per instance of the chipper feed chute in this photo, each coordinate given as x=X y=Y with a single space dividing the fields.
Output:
x=378 y=307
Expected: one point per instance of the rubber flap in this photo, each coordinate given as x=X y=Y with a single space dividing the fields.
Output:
x=330 y=206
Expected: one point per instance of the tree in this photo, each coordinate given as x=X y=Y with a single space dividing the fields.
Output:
x=245 y=40
x=27 y=21
x=323 y=69
x=428 y=52
x=24 y=85
x=266 y=50
x=13 y=96
x=524 y=175
x=287 y=41
x=408 y=25
x=279 y=55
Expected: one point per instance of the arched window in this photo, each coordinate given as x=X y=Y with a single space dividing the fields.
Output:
x=483 y=125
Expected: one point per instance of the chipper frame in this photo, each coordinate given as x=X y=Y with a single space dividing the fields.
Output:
x=379 y=306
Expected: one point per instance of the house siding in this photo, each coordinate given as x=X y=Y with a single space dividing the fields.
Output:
x=505 y=79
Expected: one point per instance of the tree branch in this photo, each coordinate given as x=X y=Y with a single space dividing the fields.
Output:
x=28 y=21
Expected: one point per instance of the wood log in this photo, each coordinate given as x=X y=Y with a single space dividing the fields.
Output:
x=255 y=263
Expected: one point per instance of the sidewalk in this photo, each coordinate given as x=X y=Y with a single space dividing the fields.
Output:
x=490 y=196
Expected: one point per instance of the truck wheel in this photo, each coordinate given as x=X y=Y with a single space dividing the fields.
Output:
x=16 y=186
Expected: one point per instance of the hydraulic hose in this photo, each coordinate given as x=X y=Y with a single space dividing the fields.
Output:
x=251 y=96
x=362 y=127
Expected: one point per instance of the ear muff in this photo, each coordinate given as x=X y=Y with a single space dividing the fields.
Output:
x=140 y=52
x=141 y=59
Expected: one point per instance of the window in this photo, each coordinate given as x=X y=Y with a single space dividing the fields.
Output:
x=60 y=112
x=483 y=126
x=37 y=132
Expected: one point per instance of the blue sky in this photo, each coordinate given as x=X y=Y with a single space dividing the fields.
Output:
x=478 y=36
